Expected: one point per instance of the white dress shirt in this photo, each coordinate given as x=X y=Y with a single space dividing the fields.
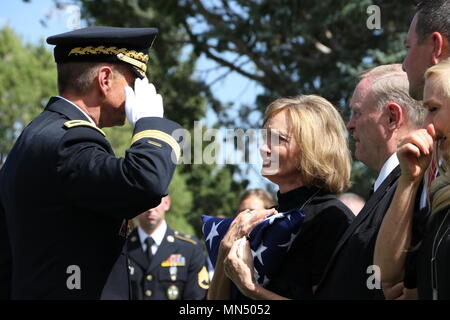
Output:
x=387 y=168
x=157 y=235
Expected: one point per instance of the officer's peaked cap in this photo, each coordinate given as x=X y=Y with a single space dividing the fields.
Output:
x=105 y=44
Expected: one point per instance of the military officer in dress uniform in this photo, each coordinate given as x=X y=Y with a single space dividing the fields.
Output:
x=165 y=264
x=64 y=197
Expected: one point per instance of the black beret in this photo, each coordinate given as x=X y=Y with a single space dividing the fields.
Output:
x=105 y=44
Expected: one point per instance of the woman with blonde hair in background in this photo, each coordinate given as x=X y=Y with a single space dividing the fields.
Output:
x=432 y=261
x=254 y=199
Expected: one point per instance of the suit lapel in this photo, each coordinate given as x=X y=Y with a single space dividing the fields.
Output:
x=65 y=108
x=366 y=212
x=371 y=205
x=135 y=251
x=164 y=250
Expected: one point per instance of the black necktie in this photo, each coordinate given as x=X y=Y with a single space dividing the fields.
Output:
x=372 y=190
x=149 y=242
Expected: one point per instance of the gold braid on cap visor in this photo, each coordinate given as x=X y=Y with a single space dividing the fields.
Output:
x=133 y=57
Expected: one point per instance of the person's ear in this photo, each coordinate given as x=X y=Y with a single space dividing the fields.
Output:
x=104 y=79
x=166 y=202
x=440 y=47
x=396 y=115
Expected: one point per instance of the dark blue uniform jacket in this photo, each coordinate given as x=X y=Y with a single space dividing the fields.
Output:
x=64 y=197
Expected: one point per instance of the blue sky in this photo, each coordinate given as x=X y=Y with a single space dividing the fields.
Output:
x=24 y=19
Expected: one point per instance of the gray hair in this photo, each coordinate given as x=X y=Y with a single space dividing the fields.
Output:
x=390 y=84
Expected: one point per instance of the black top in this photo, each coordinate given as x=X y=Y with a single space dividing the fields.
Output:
x=326 y=219
x=420 y=218
x=435 y=244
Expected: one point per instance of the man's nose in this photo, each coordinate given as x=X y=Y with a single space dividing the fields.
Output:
x=350 y=124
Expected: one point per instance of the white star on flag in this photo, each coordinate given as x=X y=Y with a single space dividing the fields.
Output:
x=257 y=277
x=272 y=218
x=266 y=281
x=213 y=233
x=289 y=243
x=258 y=252
x=256 y=274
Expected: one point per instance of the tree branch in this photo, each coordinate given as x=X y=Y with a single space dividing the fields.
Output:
x=205 y=49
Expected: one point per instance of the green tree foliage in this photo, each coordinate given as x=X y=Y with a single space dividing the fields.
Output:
x=182 y=204
x=27 y=80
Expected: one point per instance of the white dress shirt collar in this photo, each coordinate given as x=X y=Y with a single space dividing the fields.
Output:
x=82 y=111
x=387 y=168
x=157 y=235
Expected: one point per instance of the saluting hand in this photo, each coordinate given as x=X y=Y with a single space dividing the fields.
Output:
x=415 y=152
x=143 y=101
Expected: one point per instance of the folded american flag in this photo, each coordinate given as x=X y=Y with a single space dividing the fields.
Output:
x=270 y=240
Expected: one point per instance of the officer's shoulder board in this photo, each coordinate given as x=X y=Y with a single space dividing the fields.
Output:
x=82 y=123
x=185 y=237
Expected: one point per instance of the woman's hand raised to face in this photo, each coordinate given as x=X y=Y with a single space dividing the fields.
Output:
x=415 y=152
x=242 y=225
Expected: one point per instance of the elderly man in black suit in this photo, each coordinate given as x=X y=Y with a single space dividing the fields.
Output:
x=383 y=113
x=64 y=197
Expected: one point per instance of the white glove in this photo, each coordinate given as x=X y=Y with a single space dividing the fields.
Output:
x=143 y=101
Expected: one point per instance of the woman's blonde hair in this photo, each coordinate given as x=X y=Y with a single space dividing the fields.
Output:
x=440 y=188
x=440 y=193
x=318 y=130
x=442 y=71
